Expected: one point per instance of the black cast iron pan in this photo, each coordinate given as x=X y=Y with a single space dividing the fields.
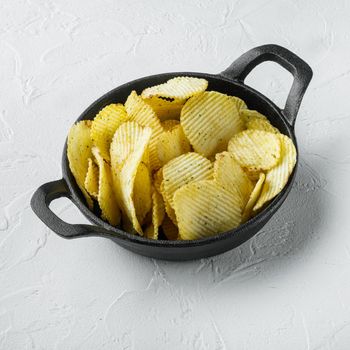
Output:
x=230 y=81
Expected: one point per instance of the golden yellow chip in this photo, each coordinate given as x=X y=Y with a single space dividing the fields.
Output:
x=229 y=174
x=91 y=179
x=277 y=177
x=171 y=144
x=106 y=197
x=164 y=108
x=169 y=124
x=261 y=124
x=78 y=152
x=104 y=126
x=205 y=208
x=209 y=120
x=249 y=114
x=139 y=111
x=157 y=179
x=142 y=193
x=239 y=103
x=253 y=198
x=180 y=88
x=255 y=149
x=168 y=208
x=124 y=177
x=252 y=174
x=170 y=231
x=182 y=170
x=158 y=213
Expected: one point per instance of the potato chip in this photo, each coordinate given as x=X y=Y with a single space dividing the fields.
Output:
x=124 y=178
x=164 y=108
x=168 y=208
x=106 y=198
x=254 y=196
x=170 y=231
x=209 y=120
x=205 y=208
x=78 y=152
x=171 y=144
x=182 y=170
x=104 y=126
x=169 y=124
x=249 y=114
x=142 y=193
x=277 y=177
x=158 y=213
x=139 y=111
x=252 y=174
x=180 y=88
x=91 y=179
x=240 y=104
x=157 y=179
x=229 y=174
x=255 y=149
x=261 y=124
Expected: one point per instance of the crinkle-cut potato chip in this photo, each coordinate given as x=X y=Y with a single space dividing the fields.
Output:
x=91 y=179
x=104 y=126
x=171 y=144
x=209 y=120
x=78 y=152
x=239 y=103
x=277 y=177
x=249 y=114
x=253 y=198
x=142 y=193
x=125 y=178
x=229 y=174
x=255 y=149
x=205 y=208
x=170 y=231
x=164 y=108
x=184 y=169
x=157 y=179
x=179 y=88
x=140 y=112
x=168 y=208
x=158 y=213
x=106 y=198
x=261 y=124
x=169 y=124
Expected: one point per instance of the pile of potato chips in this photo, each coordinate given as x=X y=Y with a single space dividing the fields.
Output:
x=179 y=160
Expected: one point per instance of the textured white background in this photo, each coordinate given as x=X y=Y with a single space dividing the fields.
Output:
x=289 y=287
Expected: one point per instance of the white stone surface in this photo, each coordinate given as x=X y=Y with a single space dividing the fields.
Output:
x=287 y=288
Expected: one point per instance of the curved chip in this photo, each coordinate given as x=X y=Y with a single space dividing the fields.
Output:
x=78 y=152
x=247 y=213
x=240 y=104
x=249 y=114
x=169 y=124
x=261 y=124
x=157 y=179
x=158 y=213
x=142 y=193
x=209 y=120
x=180 y=88
x=164 y=108
x=170 y=231
x=205 y=208
x=277 y=177
x=255 y=149
x=171 y=144
x=91 y=179
x=168 y=208
x=104 y=126
x=139 y=111
x=229 y=174
x=182 y=170
x=106 y=197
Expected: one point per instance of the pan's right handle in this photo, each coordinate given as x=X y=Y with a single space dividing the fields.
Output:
x=300 y=70
x=40 y=204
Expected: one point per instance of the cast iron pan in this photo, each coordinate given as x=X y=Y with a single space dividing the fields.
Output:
x=230 y=81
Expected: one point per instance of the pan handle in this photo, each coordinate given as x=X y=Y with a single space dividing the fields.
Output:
x=40 y=204
x=300 y=70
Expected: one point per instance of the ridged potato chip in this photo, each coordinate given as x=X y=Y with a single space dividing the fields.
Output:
x=205 y=208
x=78 y=152
x=277 y=177
x=255 y=149
x=257 y=121
x=209 y=120
x=179 y=88
x=171 y=144
x=229 y=174
x=249 y=114
x=91 y=179
x=142 y=193
x=157 y=179
x=170 y=231
x=252 y=174
x=124 y=177
x=182 y=170
x=169 y=124
x=104 y=126
x=139 y=111
x=239 y=103
x=168 y=208
x=106 y=198
x=164 y=108
x=253 y=198
x=158 y=213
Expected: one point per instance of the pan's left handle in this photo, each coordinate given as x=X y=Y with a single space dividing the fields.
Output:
x=40 y=204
